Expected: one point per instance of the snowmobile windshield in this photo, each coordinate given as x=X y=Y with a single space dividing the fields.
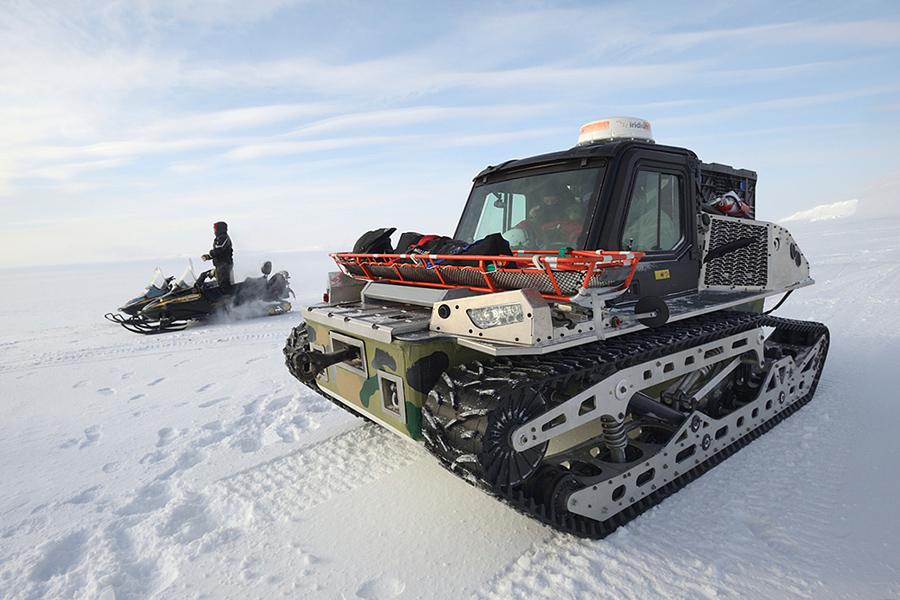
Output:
x=187 y=279
x=543 y=210
x=158 y=281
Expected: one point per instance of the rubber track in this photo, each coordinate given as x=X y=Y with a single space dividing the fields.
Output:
x=594 y=362
x=297 y=342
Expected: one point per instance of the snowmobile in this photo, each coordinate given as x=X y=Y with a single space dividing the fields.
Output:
x=159 y=285
x=197 y=298
x=616 y=349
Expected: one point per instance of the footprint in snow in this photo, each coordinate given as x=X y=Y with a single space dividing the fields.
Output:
x=212 y=438
x=153 y=457
x=106 y=391
x=166 y=435
x=136 y=397
x=771 y=533
x=156 y=382
x=213 y=402
x=204 y=388
x=248 y=444
x=252 y=407
x=88 y=495
x=215 y=434
x=278 y=403
x=59 y=556
x=79 y=384
x=149 y=498
x=91 y=436
x=381 y=588
x=127 y=375
x=247 y=571
x=188 y=520
x=183 y=463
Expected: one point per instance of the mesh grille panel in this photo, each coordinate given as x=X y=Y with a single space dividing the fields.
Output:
x=744 y=267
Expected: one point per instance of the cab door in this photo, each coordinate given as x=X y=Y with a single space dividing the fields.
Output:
x=657 y=220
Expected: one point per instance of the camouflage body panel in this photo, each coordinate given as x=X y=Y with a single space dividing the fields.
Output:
x=392 y=386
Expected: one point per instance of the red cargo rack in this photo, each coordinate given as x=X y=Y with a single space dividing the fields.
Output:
x=556 y=276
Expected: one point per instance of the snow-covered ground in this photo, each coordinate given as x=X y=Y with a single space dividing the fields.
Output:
x=191 y=465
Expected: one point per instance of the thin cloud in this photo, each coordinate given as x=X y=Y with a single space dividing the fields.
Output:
x=61 y=162
x=236 y=119
x=868 y=33
x=741 y=110
x=489 y=139
x=177 y=107
x=271 y=149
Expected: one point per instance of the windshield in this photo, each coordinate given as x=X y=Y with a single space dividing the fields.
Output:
x=187 y=279
x=545 y=211
x=158 y=281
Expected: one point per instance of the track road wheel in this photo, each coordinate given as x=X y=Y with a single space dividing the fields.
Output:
x=551 y=487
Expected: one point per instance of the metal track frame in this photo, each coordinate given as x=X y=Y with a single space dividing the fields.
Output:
x=610 y=396
x=700 y=438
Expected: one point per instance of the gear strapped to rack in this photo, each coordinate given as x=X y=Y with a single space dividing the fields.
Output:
x=556 y=276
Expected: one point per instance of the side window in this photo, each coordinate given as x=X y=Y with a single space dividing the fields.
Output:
x=655 y=213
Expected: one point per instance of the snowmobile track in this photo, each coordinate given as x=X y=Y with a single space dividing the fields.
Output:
x=283 y=488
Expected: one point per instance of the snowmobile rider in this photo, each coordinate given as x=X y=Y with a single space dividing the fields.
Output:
x=222 y=256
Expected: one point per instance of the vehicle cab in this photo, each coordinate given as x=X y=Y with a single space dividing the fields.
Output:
x=615 y=190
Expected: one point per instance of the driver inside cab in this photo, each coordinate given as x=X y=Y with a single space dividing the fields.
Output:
x=558 y=219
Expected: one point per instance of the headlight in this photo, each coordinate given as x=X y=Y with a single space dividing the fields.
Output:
x=496 y=315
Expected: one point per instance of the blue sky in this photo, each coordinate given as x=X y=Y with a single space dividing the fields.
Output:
x=128 y=127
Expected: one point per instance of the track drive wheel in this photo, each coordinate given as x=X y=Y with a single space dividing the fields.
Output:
x=468 y=421
x=503 y=466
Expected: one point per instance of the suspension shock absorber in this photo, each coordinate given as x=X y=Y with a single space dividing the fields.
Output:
x=614 y=438
x=680 y=395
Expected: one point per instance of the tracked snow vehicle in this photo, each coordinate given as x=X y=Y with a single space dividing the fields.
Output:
x=616 y=350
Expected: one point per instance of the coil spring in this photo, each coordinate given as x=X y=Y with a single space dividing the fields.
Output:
x=614 y=438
